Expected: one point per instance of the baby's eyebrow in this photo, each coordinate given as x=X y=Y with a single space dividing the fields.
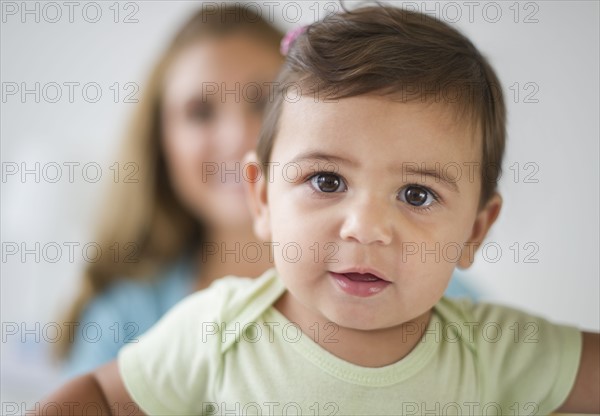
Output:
x=436 y=174
x=313 y=156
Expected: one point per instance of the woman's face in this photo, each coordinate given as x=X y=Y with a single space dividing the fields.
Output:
x=214 y=95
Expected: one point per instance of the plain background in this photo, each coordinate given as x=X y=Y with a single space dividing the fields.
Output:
x=546 y=54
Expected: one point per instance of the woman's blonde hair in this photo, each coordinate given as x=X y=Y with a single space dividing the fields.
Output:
x=144 y=226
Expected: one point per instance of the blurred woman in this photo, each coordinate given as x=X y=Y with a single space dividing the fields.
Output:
x=185 y=222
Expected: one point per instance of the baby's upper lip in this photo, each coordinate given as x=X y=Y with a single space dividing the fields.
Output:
x=364 y=270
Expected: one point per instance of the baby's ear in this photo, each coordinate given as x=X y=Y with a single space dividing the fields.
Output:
x=256 y=196
x=483 y=222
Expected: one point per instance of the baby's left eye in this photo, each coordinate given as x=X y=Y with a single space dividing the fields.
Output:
x=327 y=182
x=417 y=196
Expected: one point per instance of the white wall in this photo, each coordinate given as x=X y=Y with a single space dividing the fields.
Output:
x=556 y=54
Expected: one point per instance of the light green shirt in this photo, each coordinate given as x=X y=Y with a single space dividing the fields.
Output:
x=227 y=351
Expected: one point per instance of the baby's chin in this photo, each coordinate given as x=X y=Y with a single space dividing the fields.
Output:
x=365 y=322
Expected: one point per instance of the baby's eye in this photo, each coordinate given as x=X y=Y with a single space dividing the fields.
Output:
x=417 y=196
x=327 y=182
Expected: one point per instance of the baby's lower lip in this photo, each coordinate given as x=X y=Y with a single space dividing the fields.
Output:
x=358 y=284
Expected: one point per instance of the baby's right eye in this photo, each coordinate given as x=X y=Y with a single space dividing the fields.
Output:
x=327 y=182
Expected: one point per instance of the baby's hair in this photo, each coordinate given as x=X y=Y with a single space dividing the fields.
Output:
x=401 y=54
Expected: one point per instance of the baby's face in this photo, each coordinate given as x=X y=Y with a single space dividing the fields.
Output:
x=369 y=243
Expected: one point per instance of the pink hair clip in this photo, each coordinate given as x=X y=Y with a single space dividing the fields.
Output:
x=289 y=38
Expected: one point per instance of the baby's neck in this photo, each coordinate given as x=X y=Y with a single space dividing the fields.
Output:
x=375 y=348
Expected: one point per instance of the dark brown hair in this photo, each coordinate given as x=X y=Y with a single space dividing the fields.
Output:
x=401 y=54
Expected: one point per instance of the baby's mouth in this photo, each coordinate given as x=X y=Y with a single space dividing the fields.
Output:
x=359 y=284
x=361 y=277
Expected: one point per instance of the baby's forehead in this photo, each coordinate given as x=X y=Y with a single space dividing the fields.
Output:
x=379 y=120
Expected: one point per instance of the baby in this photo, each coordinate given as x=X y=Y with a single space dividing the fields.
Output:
x=374 y=177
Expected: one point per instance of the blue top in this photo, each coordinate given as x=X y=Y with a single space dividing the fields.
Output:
x=129 y=308
x=122 y=313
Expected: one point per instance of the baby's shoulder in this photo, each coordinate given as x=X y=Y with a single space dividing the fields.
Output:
x=517 y=355
x=466 y=309
x=495 y=332
x=232 y=298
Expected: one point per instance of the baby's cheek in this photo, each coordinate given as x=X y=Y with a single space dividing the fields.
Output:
x=291 y=245
x=428 y=263
x=426 y=282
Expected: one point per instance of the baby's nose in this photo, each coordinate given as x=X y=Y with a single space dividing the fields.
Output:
x=367 y=222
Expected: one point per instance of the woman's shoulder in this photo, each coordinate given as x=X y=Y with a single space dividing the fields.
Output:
x=123 y=312
x=143 y=300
